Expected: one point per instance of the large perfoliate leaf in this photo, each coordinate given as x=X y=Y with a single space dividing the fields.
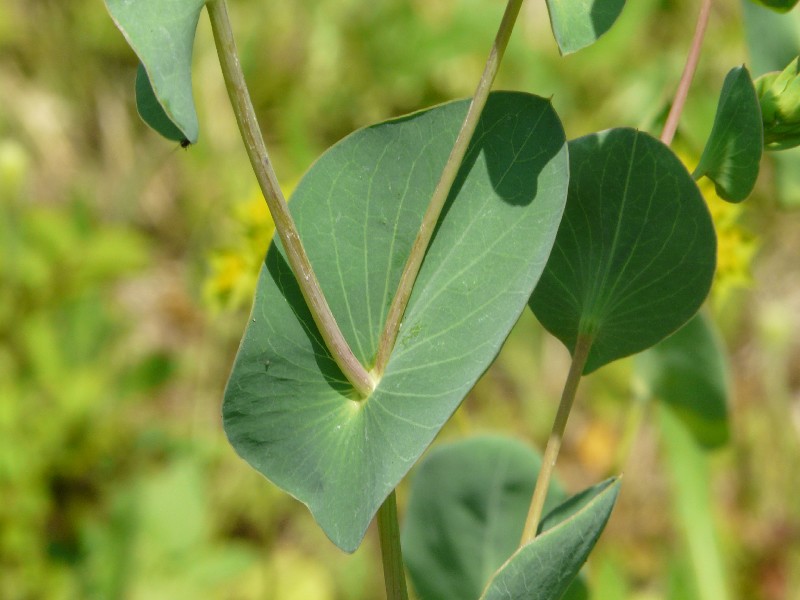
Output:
x=733 y=151
x=466 y=511
x=689 y=372
x=636 y=250
x=288 y=410
x=544 y=568
x=778 y=5
x=579 y=23
x=161 y=32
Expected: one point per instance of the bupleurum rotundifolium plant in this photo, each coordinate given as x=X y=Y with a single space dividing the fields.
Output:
x=411 y=249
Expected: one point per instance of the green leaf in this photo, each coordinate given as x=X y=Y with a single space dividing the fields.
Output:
x=288 y=410
x=778 y=5
x=150 y=108
x=689 y=372
x=578 y=23
x=733 y=151
x=635 y=252
x=466 y=511
x=544 y=568
x=161 y=32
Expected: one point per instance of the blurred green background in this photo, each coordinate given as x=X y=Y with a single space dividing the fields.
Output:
x=126 y=265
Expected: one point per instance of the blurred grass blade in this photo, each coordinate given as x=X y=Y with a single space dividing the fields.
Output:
x=635 y=252
x=691 y=490
x=689 y=371
x=733 y=151
x=544 y=568
x=466 y=510
x=161 y=32
x=577 y=23
x=288 y=409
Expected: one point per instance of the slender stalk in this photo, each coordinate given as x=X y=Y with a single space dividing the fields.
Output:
x=284 y=224
x=442 y=190
x=579 y=356
x=389 y=533
x=671 y=126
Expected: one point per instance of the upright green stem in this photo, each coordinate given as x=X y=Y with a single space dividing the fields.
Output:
x=284 y=224
x=579 y=356
x=442 y=190
x=389 y=533
x=671 y=126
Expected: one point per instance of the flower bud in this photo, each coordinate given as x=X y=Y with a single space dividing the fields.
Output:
x=779 y=96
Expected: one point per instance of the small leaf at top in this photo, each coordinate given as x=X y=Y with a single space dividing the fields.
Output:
x=689 y=371
x=466 y=511
x=161 y=32
x=635 y=252
x=288 y=410
x=778 y=5
x=544 y=568
x=579 y=23
x=733 y=151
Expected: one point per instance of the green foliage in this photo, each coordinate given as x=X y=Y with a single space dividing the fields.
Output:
x=778 y=5
x=689 y=372
x=359 y=208
x=162 y=35
x=577 y=23
x=544 y=568
x=635 y=251
x=733 y=152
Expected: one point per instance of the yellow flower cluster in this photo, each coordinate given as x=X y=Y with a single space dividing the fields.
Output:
x=233 y=271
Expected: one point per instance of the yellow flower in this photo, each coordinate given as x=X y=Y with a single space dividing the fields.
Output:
x=233 y=271
x=736 y=246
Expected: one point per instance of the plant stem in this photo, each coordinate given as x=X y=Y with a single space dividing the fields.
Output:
x=391 y=554
x=284 y=224
x=442 y=190
x=671 y=126
x=579 y=356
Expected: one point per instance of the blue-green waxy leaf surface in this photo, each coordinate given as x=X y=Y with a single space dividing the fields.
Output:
x=161 y=32
x=288 y=410
x=579 y=23
x=733 y=151
x=466 y=511
x=689 y=372
x=636 y=250
x=544 y=568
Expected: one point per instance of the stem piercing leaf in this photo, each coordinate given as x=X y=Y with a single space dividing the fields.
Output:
x=161 y=32
x=733 y=151
x=358 y=210
x=635 y=252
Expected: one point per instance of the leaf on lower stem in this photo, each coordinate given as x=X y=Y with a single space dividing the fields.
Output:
x=288 y=410
x=466 y=509
x=544 y=568
x=635 y=252
x=733 y=151
x=161 y=32
x=689 y=372
x=577 y=23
